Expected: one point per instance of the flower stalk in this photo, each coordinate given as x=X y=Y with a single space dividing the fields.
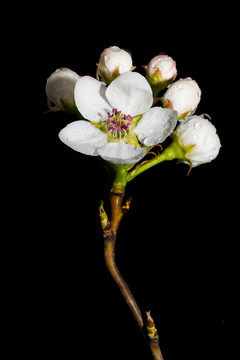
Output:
x=173 y=151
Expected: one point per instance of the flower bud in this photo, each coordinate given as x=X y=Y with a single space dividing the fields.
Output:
x=60 y=90
x=161 y=71
x=151 y=329
x=198 y=140
x=112 y=63
x=106 y=226
x=184 y=96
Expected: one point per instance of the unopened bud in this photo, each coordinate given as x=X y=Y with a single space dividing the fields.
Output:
x=112 y=63
x=151 y=329
x=105 y=223
x=183 y=96
x=60 y=90
x=160 y=72
x=198 y=140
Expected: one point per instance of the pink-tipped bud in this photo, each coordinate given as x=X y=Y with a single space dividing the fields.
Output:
x=112 y=63
x=160 y=72
x=163 y=66
x=183 y=96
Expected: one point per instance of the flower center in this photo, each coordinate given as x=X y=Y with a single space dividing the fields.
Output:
x=118 y=125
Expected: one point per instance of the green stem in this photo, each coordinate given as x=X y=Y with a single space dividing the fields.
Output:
x=174 y=151
x=120 y=177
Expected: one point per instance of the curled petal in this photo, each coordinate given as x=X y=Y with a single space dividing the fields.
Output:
x=91 y=100
x=156 y=125
x=83 y=137
x=121 y=153
x=130 y=93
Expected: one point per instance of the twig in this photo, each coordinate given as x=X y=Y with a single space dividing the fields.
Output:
x=109 y=254
x=110 y=229
x=153 y=338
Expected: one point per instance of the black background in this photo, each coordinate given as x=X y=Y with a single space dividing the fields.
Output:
x=171 y=247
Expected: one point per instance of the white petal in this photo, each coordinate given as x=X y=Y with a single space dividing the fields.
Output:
x=60 y=87
x=155 y=125
x=121 y=153
x=83 y=137
x=130 y=93
x=91 y=100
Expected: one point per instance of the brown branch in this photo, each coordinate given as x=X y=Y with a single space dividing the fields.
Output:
x=116 y=199
x=156 y=352
x=117 y=211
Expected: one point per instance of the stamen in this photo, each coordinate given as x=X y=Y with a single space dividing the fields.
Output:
x=118 y=125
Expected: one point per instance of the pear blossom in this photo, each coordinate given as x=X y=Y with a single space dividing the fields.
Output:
x=121 y=119
x=198 y=138
x=112 y=63
x=182 y=95
x=60 y=90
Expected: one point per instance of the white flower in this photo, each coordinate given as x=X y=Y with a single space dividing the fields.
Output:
x=60 y=89
x=115 y=131
x=163 y=67
x=113 y=62
x=182 y=95
x=199 y=139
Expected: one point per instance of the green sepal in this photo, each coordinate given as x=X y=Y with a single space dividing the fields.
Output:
x=157 y=83
x=132 y=139
x=107 y=80
x=101 y=125
x=182 y=150
x=69 y=108
x=184 y=115
x=135 y=121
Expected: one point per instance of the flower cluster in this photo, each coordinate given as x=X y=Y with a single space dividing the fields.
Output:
x=119 y=112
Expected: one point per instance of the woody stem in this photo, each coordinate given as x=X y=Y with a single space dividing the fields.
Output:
x=156 y=352
x=116 y=198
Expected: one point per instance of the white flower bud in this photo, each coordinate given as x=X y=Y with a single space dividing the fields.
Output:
x=183 y=96
x=161 y=68
x=113 y=62
x=160 y=72
x=60 y=90
x=198 y=139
